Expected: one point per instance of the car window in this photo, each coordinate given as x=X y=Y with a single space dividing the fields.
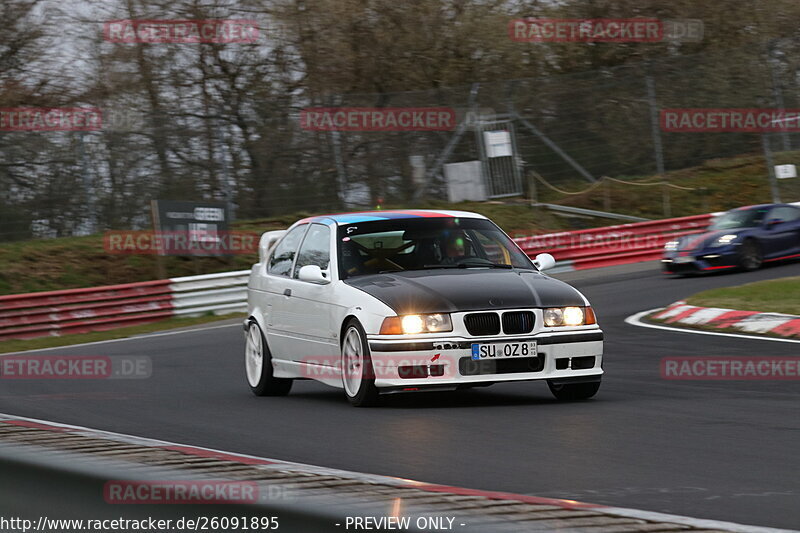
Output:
x=739 y=218
x=315 y=250
x=492 y=246
x=426 y=243
x=784 y=214
x=282 y=259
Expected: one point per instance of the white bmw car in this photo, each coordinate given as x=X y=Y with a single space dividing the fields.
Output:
x=400 y=301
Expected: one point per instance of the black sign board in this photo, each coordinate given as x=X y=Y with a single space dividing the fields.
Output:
x=191 y=228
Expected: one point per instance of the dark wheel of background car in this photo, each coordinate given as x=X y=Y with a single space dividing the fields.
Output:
x=358 y=375
x=750 y=257
x=258 y=365
x=573 y=391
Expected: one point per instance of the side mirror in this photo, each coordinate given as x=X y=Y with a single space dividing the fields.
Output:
x=312 y=274
x=544 y=261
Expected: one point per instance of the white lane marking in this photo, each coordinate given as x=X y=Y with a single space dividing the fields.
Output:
x=635 y=320
x=134 y=338
x=619 y=511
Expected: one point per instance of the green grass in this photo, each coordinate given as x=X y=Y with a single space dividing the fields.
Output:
x=170 y=323
x=718 y=185
x=777 y=296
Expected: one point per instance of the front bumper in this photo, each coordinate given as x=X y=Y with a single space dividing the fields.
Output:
x=708 y=260
x=446 y=363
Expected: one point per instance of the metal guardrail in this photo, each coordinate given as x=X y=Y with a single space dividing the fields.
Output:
x=612 y=245
x=225 y=292
x=43 y=487
x=52 y=313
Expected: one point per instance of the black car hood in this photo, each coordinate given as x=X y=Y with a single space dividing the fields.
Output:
x=453 y=290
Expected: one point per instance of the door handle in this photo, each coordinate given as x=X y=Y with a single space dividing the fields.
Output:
x=287 y=292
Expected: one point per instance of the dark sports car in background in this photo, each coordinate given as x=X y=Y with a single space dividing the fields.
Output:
x=743 y=238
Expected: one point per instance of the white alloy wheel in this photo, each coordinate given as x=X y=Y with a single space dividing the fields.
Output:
x=254 y=355
x=358 y=377
x=352 y=362
x=258 y=365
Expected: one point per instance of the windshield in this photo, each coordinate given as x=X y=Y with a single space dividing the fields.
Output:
x=739 y=219
x=428 y=243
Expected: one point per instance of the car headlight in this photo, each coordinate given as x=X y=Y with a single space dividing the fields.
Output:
x=724 y=240
x=413 y=324
x=568 y=316
x=671 y=246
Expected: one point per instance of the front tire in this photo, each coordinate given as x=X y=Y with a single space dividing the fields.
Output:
x=750 y=256
x=571 y=392
x=258 y=365
x=358 y=375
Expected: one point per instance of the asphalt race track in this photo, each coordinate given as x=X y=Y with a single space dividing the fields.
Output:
x=720 y=450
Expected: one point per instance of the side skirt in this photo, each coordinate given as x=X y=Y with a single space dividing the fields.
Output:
x=329 y=375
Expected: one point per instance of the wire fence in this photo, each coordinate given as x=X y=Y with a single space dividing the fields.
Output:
x=569 y=132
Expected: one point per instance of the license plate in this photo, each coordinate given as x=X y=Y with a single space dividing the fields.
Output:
x=503 y=350
x=684 y=259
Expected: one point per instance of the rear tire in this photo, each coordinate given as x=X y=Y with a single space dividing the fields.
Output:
x=358 y=374
x=258 y=365
x=570 y=392
x=750 y=256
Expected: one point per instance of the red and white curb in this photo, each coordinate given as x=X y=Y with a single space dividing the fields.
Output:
x=787 y=326
x=704 y=524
